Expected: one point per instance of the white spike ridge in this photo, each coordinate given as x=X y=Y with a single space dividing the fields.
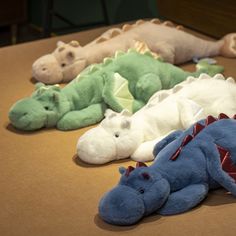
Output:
x=231 y=80
x=204 y=76
x=219 y=76
x=160 y=96
x=177 y=88
x=190 y=79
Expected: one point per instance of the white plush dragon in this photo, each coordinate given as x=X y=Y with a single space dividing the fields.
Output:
x=122 y=135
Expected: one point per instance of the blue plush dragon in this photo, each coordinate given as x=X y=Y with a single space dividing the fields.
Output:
x=187 y=165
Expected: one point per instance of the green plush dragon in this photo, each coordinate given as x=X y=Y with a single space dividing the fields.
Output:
x=126 y=81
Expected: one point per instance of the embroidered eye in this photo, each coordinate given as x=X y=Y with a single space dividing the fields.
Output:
x=46 y=108
x=117 y=135
x=63 y=64
x=141 y=191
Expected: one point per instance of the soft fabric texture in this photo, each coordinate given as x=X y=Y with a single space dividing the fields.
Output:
x=188 y=164
x=124 y=135
x=173 y=44
x=83 y=101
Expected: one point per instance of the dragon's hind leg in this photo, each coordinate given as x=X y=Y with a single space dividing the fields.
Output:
x=215 y=170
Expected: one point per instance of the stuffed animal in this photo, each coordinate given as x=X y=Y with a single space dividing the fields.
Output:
x=174 y=46
x=188 y=164
x=126 y=81
x=124 y=135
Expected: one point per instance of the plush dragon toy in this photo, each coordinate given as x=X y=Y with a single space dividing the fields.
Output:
x=171 y=43
x=123 y=135
x=126 y=81
x=188 y=164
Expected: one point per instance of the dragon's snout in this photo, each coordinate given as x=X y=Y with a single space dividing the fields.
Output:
x=121 y=206
x=47 y=70
x=27 y=114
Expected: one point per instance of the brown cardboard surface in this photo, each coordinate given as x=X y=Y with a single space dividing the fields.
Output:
x=44 y=191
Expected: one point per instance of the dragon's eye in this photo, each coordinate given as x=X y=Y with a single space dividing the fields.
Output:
x=141 y=191
x=46 y=108
x=117 y=135
x=63 y=64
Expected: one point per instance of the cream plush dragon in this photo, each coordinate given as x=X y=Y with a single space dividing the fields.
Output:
x=122 y=135
x=170 y=42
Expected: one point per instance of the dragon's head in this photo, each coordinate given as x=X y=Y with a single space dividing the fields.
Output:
x=43 y=109
x=140 y=192
x=115 y=138
x=63 y=65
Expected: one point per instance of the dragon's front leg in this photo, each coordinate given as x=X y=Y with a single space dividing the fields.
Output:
x=164 y=142
x=82 y=118
x=184 y=199
x=146 y=86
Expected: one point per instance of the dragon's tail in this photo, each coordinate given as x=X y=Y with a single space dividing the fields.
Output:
x=203 y=66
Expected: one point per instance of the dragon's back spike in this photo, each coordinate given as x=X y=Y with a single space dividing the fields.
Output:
x=129 y=170
x=140 y=164
x=186 y=140
x=222 y=116
x=176 y=154
x=210 y=119
x=197 y=128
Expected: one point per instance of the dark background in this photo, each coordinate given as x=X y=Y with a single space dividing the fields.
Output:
x=26 y=20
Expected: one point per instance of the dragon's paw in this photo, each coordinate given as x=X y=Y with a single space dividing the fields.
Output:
x=144 y=152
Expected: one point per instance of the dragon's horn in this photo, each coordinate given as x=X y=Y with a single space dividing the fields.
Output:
x=140 y=164
x=210 y=119
x=129 y=169
x=222 y=116
x=146 y=176
x=197 y=128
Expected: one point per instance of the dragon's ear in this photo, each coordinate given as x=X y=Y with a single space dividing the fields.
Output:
x=74 y=43
x=109 y=113
x=39 y=85
x=60 y=43
x=125 y=124
x=125 y=112
x=70 y=55
x=56 y=87
x=145 y=176
x=55 y=97
x=122 y=170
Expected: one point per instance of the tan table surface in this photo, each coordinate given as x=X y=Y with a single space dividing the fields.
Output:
x=45 y=192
